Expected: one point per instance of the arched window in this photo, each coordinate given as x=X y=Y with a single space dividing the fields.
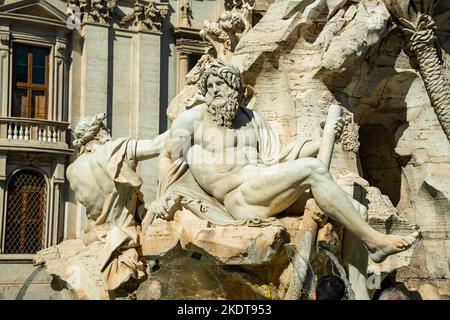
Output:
x=25 y=215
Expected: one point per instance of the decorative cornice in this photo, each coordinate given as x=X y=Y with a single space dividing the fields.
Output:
x=142 y=17
x=32 y=19
x=5 y=38
x=187 y=33
x=191 y=45
x=100 y=11
x=149 y=17
x=60 y=50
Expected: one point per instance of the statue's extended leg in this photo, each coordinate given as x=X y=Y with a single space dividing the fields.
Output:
x=275 y=188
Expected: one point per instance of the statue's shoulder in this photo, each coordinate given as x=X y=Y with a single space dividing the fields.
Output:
x=190 y=115
x=81 y=164
x=197 y=111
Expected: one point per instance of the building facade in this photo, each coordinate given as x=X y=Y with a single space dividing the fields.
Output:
x=61 y=61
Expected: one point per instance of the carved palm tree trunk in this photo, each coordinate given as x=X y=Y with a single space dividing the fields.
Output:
x=446 y=58
x=422 y=42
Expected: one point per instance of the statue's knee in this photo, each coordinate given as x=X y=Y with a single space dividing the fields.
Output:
x=235 y=199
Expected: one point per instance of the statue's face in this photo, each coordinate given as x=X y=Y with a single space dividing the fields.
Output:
x=222 y=101
x=217 y=87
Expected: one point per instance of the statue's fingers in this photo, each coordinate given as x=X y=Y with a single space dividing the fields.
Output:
x=153 y=208
x=165 y=207
x=157 y=214
x=160 y=210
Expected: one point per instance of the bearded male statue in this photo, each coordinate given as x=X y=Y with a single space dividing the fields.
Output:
x=104 y=180
x=223 y=162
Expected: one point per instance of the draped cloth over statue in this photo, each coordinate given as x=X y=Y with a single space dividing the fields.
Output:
x=179 y=179
x=114 y=163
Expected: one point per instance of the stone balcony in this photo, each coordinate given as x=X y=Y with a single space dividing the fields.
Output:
x=34 y=135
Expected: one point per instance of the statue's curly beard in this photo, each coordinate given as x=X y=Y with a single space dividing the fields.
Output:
x=223 y=109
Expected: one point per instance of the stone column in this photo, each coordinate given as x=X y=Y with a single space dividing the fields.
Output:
x=57 y=215
x=183 y=66
x=5 y=57
x=59 y=81
x=3 y=178
x=94 y=69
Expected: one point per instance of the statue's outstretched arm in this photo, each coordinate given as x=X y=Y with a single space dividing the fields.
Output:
x=148 y=149
x=175 y=148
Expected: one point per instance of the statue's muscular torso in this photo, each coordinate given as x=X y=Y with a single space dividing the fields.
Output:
x=90 y=180
x=220 y=158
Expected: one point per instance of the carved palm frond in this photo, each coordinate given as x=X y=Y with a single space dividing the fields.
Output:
x=415 y=18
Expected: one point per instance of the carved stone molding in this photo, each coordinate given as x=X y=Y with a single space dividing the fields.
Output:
x=191 y=45
x=60 y=49
x=95 y=11
x=145 y=17
x=5 y=38
x=142 y=17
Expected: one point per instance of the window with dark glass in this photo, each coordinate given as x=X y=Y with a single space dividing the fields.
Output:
x=30 y=81
x=193 y=59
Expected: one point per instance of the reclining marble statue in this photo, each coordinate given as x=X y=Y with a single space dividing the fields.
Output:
x=221 y=161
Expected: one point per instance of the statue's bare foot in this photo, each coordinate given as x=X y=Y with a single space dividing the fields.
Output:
x=389 y=245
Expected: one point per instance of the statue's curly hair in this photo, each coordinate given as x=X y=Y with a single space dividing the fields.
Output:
x=229 y=73
x=87 y=129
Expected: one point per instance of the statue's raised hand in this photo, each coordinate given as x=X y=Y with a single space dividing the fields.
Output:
x=166 y=206
x=338 y=127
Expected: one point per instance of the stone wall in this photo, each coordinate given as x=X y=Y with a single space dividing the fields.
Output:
x=13 y=276
x=117 y=71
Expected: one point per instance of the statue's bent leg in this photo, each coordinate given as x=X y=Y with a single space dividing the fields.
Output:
x=272 y=191
x=277 y=187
